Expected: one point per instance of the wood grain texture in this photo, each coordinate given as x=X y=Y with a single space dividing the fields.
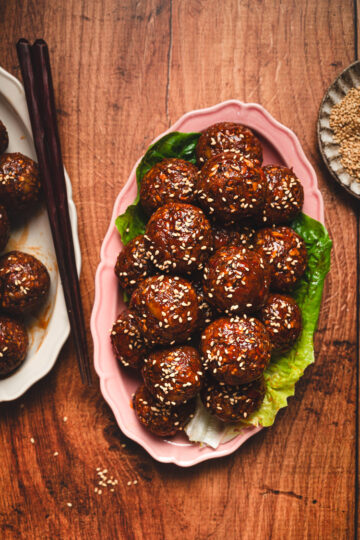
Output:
x=123 y=72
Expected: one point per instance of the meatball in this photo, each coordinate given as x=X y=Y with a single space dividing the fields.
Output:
x=206 y=312
x=132 y=264
x=161 y=420
x=236 y=350
x=4 y=138
x=173 y=375
x=14 y=344
x=228 y=136
x=127 y=342
x=19 y=183
x=284 y=195
x=236 y=280
x=282 y=319
x=286 y=254
x=4 y=227
x=233 y=403
x=166 y=309
x=224 y=237
x=179 y=238
x=231 y=188
x=170 y=180
x=24 y=283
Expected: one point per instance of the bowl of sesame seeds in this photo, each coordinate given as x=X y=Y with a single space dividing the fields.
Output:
x=133 y=404
x=338 y=129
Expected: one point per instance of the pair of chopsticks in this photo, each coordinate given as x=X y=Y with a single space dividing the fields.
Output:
x=36 y=73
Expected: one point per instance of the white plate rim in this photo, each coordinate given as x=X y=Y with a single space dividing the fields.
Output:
x=13 y=92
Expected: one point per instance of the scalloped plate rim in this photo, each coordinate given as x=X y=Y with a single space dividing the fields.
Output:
x=229 y=447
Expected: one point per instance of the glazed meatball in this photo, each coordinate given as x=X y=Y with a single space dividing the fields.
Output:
x=14 y=344
x=236 y=280
x=4 y=138
x=170 y=180
x=206 y=312
x=227 y=136
x=24 y=283
x=236 y=350
x=4 y=227
x=19 y=183
x=231 y=188
x=233 y=403
x=286 y=254
x=179 y=238
x=281 y=317
x=284 y=195
x=127 y=342
x=166 y=309
x=132 y=264
x=161 y=420
x=173 y=375
x=224 y=237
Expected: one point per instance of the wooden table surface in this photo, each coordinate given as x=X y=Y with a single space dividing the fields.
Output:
x=123 y=72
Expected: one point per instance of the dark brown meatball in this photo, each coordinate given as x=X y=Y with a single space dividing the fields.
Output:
x=282 y=319
x=206 y=312
x=179 y=238
x=4 y=138
x=286 y=254
x=173 y=375
x=127 y=342
x=224 y=237
x=284 y=195
x=233 y=403
x=166 y=309
x=132 y=264
x=19 y=183
x=228 y=136
x=161 y=420
x=170 y=180
x=24 y=283
x=4 y=227
x=231 y=188
x=236 y=280
x=14 y=344
x=236 y=350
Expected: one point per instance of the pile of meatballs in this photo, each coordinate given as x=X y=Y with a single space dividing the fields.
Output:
x=24 y=280
x=209 y=281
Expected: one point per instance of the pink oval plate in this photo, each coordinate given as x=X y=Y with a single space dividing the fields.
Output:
x=281 y=146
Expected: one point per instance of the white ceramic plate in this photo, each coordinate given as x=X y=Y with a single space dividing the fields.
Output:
x=49 y=331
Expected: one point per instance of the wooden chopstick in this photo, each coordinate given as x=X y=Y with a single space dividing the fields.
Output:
x=36 y=72
x=40 y=58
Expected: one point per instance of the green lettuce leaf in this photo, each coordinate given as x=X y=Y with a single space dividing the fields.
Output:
x=131 y=223
x=181 y=145
x=286 y=369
